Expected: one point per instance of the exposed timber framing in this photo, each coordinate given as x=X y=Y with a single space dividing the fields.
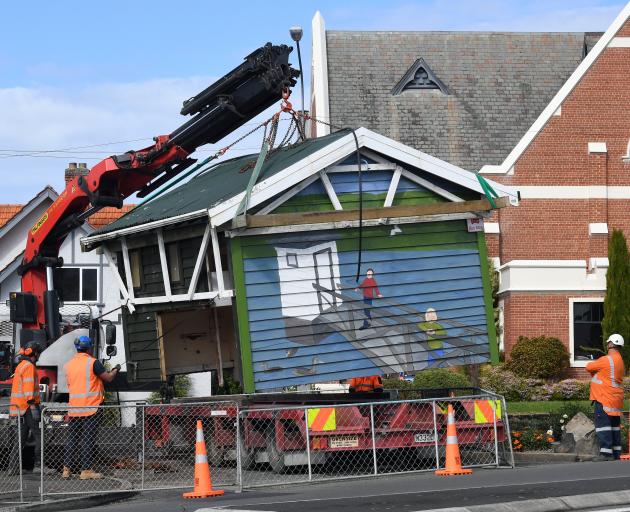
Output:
x=290 y=219
x=393 y=186
x=218 y=267
x=165 y=275
x=125 y=253
x=385 y=221
x=431 y=186
x=332 y=195
x=200 y=259
x=121 y=285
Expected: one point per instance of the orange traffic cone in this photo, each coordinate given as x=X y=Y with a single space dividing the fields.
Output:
x=453 y=460
x=203 y=482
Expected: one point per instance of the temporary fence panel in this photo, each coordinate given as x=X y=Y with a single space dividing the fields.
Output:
x=296 y=444
x=136 y=446
x=11 y=482
x=169 y=443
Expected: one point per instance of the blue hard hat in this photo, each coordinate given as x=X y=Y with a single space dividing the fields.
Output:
x=83 y=343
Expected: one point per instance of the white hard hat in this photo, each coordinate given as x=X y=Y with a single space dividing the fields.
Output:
x=615 y=339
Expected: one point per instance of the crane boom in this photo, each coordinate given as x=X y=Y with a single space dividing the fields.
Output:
x=217 y=111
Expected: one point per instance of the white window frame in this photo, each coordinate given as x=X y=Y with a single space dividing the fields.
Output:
x=81 y=300
x=573 y=300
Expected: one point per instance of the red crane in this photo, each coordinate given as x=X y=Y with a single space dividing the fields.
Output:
x=217 y=111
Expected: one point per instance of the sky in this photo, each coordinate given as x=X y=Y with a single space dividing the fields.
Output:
x=81 y=80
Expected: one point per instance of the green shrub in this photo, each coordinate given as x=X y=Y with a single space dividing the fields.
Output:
x=500 y=380
x=406 y=390
x=440 y=378
x=539 y=358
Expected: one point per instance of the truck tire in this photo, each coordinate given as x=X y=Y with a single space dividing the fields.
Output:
x=276 y=456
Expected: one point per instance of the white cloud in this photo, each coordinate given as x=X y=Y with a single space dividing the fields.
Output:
x=53 y=118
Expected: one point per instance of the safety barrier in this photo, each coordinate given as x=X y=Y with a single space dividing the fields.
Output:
x=11 y=482
x=141 y=446
x=134 y=446
x=301 y=444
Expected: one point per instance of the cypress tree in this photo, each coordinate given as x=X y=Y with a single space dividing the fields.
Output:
x=617 y=300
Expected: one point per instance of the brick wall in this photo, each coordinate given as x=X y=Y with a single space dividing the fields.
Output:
x=595 y=111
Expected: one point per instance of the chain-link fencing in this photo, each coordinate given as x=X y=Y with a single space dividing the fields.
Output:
x=294 y=444
x=152 y=446
x=134 y=446
x=11 y=482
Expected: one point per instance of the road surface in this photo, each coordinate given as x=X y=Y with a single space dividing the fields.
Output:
x=404 y=493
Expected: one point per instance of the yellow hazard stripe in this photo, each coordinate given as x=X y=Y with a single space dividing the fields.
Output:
x=322 y=419
x=484 y=410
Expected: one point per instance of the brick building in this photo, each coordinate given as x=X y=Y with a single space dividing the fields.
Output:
x=544 y=112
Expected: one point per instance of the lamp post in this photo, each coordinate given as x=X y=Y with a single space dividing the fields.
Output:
x=296 y=34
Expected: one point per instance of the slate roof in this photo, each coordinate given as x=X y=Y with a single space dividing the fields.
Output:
x=217 y=184
x=498 y=84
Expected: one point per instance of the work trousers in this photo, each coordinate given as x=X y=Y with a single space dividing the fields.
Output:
x=608 y=432
x=82 y=432
x=30 y=439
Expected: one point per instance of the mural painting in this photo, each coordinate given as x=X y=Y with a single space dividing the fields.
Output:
x=418 y=301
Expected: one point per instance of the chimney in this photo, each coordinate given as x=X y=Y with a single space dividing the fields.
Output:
x=73 y=171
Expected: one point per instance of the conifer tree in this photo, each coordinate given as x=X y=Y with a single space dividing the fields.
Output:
x=617 y=300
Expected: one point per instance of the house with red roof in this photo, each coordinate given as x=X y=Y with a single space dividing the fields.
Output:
x=85 y=283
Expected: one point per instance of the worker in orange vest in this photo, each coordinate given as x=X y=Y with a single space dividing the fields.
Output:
x=371 y=384
x=86 y=377
x=607 y=396
x=24 y=404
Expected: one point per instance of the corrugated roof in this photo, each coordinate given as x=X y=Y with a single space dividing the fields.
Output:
x=498 y=84
x=219 y=183
x=8 y=211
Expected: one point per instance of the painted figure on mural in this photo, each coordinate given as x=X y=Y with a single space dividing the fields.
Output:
x=435 y=334
x=369 y=288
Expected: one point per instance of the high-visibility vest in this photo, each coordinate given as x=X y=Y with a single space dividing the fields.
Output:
x=85 y=388
x=607 y=382
x=366 y=384
x=24 y=388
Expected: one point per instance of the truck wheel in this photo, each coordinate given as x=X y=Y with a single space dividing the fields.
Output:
x=276 y=457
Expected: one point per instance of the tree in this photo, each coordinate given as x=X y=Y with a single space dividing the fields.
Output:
x=617 y=300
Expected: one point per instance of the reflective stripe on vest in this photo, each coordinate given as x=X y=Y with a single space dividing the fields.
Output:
x=614 y=384
x=23 y=388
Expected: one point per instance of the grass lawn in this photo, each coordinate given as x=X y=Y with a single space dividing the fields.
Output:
x=551 y=406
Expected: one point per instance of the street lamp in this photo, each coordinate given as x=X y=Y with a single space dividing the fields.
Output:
x=296 y=33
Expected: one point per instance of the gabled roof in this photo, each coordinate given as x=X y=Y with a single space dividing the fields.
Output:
x=108 y=215
x=218 y=191
x=555 y=103
x=21 y=211
x=7 y=211
x=498 y=83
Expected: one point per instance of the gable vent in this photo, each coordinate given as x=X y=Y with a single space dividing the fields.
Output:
x=419 y=76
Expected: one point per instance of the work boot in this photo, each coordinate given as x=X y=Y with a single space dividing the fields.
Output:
x=66 y=472
x=602 y=458
x=89 y=474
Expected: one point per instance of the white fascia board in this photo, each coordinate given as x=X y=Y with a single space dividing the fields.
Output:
x=11 y=267
x=551 y=276
x=492 y=228
x=566 y=89
x=430 y=164
x=47 y=193
x=598 y=228
x=620 y=42
x=96 y=239
x=319 y=78
x=597 y=147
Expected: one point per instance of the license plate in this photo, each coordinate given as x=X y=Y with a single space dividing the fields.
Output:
x=423 y=438
x=344 y=442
